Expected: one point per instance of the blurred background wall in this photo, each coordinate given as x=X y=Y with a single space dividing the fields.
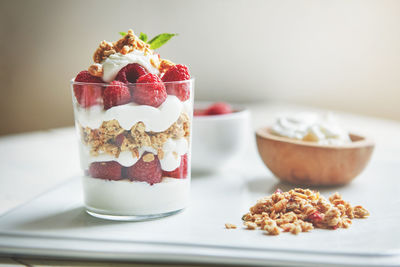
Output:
x=339 y=55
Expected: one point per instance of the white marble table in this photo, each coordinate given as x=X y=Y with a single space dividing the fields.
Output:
x=33 y=163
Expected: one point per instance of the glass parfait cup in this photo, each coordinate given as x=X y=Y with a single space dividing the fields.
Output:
x=135 y=158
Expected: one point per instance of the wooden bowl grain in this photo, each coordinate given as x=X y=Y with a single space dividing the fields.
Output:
x=308 y=163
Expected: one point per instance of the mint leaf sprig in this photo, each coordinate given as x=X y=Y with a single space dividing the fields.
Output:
x=143 y=37
x=160 y=40
x=157 y=41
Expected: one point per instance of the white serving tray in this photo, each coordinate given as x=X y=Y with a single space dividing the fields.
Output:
x=56 y=225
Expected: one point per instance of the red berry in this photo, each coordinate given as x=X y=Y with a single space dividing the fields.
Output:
x=116 y=93
x=199 y=112
x=130 y=73
x=181 y=171
x=219 y=108
x=87 y=95
x=85 y=76
x=149 y=90
x=278 y=191
x=110 y=170
x=315 y=217
x=177 y=73
x=143 y=171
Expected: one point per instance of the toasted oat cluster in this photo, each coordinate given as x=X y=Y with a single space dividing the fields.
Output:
x=300 y=210
x=125 y=45
x=165 y=64
x=230 y=226
x=111 y=138
x=130 y=42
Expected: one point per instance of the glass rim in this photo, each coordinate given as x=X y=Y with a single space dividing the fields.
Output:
x=72 y=82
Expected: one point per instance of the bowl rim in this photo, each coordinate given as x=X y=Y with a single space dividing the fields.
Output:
x=240 y=112
x=265 y=133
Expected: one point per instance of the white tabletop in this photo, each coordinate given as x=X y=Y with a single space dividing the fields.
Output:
x=33 y=163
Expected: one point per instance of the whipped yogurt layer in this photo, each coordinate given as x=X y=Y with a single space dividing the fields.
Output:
x=136 y=198
x=322 y=129
x=115 y=62
x=155 y=119
x=173 y=150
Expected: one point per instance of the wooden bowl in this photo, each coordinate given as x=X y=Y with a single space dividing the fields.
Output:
x=308 y=163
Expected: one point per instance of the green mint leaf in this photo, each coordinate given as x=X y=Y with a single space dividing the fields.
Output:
x=160 y=40
x=143 y=37
x=123 y=33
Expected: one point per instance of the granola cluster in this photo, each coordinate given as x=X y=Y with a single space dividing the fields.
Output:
x=104 y=50
x=165 y=64
x=300 y=210
x=230 y=226
x=112 y=139
x=130 y=42
x=125 y=45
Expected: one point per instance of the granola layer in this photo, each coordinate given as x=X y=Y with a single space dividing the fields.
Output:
x=112 y=139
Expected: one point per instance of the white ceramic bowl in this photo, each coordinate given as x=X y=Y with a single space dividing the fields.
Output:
x=219 y=139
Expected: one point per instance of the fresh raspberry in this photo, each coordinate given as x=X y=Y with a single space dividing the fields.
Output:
x=149 y=172
x=130 y=73
x=180 y=172
x=116 y=93
x=149 y=90
x=315 y=217
x=109 y=170
x=219 y=108
x=87 y=95
x=85 y=76
x=177 y=73
x=199 y=112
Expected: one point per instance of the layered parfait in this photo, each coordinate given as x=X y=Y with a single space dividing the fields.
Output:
x=133 y=112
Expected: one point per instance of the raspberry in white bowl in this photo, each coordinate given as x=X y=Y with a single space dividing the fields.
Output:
x=221 y=135
x=133 y=114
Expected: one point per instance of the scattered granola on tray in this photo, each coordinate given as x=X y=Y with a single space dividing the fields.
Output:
x=230 y=226
x=301 y=210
